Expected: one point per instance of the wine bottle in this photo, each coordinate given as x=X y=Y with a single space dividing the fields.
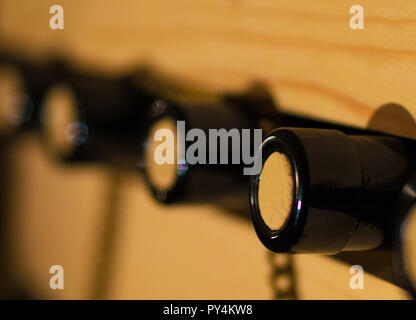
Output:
x=323 y=191
x=404 y=237
x=22 y=87
x=93 y=118
x=253 y=109
x=210 y=177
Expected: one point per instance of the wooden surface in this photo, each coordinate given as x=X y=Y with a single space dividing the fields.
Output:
x=307 y=56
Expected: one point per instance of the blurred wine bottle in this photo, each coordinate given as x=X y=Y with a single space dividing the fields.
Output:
x=94 y=118
x=217 y=169
x=22 y=88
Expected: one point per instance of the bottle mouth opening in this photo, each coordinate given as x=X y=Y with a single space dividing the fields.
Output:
x=275 y=191
x=62 y=125
x=161 y=165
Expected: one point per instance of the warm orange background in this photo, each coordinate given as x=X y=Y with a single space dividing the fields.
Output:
x=309 y=58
